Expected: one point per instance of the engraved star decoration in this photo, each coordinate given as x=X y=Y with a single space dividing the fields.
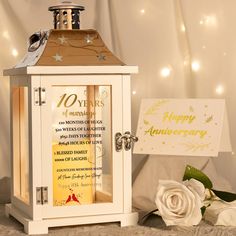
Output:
x=101 y=57
x=57 y=57
x=89 y=39
x=62 y=39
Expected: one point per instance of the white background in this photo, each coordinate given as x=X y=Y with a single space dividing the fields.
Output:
x=184 y=48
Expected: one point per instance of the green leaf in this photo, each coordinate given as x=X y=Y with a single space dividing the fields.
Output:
x=226 y=196
x=146 y=216
x=193 y=173
x=203 y=209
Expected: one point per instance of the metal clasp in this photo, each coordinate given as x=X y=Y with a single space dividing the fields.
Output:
x=126 y=140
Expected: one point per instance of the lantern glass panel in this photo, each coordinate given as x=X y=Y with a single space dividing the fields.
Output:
x=20 y=131
x=81 y=144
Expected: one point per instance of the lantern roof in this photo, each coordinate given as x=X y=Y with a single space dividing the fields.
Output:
x=68 y=46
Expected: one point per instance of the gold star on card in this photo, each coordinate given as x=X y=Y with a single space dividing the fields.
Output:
x=191 y=109
x=209 y=119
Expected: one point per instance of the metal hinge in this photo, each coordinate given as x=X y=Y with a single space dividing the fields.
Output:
x=39 y=96
x=41 y=195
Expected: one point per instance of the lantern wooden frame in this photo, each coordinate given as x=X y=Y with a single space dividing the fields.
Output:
x=33 y=216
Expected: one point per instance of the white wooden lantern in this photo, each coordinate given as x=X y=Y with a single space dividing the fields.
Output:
x=70 y=123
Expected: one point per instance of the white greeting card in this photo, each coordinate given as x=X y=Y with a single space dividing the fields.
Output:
x=191 y=127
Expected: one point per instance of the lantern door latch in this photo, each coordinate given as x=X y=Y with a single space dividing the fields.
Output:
x=39 y=96
x=126 y=140
x=41 y=195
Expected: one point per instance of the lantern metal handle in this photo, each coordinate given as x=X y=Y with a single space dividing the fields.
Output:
x=126 y=140
x=36 y=40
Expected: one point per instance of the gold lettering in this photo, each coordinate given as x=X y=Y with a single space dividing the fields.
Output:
x=178 y=119
x=68 y=100
x=202 y=133
x=80 y=102
x=152 y=131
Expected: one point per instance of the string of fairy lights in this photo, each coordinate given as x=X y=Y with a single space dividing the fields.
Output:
x=166 y=71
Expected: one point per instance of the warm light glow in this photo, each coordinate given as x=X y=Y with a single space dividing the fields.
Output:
x=195 y=65
x=165 y=72
x=203 y=47
x=142 y=11
x=134 y=92
x=186 y=63
x=224 y=54
x=219 y=90
x=5 y=35
x=14 y=52
x=183 y=28
x=209 y=20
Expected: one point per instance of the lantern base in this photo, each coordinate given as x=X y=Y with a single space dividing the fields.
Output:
x=41 y=226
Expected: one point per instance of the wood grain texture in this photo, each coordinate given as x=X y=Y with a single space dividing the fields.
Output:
x=76 y=47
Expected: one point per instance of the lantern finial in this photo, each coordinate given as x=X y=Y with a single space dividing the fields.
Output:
x=66 y=15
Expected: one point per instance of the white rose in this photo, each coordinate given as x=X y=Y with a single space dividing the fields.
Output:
x=180 y=203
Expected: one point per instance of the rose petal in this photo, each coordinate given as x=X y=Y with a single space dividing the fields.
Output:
x=179 y=204
x=197 y=186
